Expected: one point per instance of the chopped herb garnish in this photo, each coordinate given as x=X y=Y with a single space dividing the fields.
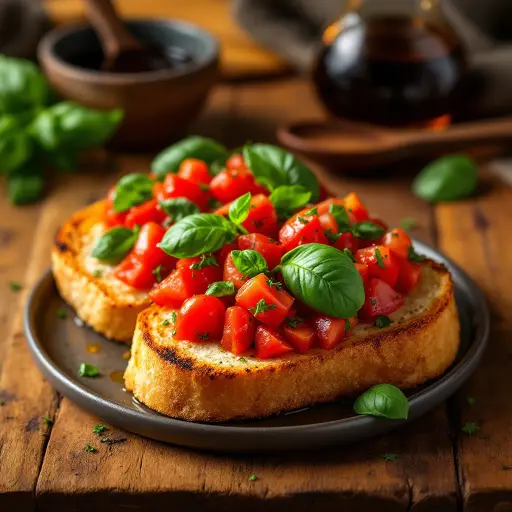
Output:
x=213 y=203
x=313 y=211
x=221 y=289
x=99 y=429
x=470 y=400
x=47 y=421
x=253 y=478
x=61 y=314
x=350 y=254
x=382 y=321
x=340 y=216
x=408 y=224
x=174 y=316
x=15 y=287
x=332 y=237
x=207 y=260
x=347 y=326
x=90 y=449
x=242 y=359
x=275 y=283
x=261 y=307
x=165 y=323
x=293 y=321
x=203 y=336
x=389 y=457
x=157 y=272
x=378 y=257
x=97 y=272
x=88 y=370
x=302 y=220
x=373 y=301
x=414 y=256
x=470 y=427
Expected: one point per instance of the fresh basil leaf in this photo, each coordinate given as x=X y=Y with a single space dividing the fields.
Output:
x=239 y=208
x=447 y=179
x=249 y=262
x=202 y=148
x=379 y=259
x=384 y=400
x=221 y=289
x=22 y=86
x=382 y=321
x=340 y=216
x=69 y=126
x=288 y=198
x=274 y=167
x=131 y=190
x=15 y=145
x=367 y=230
x=25 y=186
x=323 y=278
x=413 y=256
x=178 y=208
x=197 y=234
x=115 y=244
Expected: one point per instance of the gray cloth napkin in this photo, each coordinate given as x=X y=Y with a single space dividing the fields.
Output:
x=293 y=28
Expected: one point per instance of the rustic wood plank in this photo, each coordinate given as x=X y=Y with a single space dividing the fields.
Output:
x=147 y=475
x=476 y=234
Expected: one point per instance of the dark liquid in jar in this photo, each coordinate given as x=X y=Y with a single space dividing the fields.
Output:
x=391 y=71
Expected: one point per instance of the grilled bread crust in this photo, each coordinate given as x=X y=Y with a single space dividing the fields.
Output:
x=202 y=382
x=106 y=304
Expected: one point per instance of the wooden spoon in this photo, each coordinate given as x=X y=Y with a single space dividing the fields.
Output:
x=123 y=52
x=358 y=146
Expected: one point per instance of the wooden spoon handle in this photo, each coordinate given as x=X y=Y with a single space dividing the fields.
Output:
x=113 y=34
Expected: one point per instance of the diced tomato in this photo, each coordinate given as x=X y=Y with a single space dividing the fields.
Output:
x=398 y=242
x=274 y=301
x=381 y=299
x=232 y=274
x=223 y=210
x=149 y=211
x=232 y=183
x=330 y=331
x=223 y=253
x=146 y=250
x=270 y=249
x=194 y=170
x=323 y=207
x=355 y=208
x=362 y=268
x=347 y=241
x=302 y=230
x=176 y=186
x=409 y=274
x=235 y=161
x=201 y=318
x=262 y=216
x=134 y=273
x=158 y=191
x=270 y=343
x=301 y=337
x=384 y=267
x=328 y=223
x=200 y=277
x=239 y=329
x=113 y=218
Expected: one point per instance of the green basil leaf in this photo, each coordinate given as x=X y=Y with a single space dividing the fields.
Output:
x=221 y=289
x=239 y=208
x=413 y=256
x=249 y=262
x=178 y=208
x=15 y=145
x=69 y=126
x=131 y=190
x=202 y=148
x=274 y=167
x=197 y=234
x=288 y=198
x=25 y=186
x=324 y=278
x=367 y=230
x=340 y=216
x=447 y=179
x=384 y=400
x=115 y=244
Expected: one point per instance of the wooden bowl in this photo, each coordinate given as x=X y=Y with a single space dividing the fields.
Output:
x=159 y=104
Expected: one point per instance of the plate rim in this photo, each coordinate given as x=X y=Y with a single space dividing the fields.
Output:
x=270 y=438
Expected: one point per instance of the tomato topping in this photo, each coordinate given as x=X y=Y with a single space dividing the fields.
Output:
x=270 y=249
x=232 y=274
x=328 y=223
x=203 y=270
x=176 y=186
x=158 y=190
x=331 y=331
x=201 y=318
x=398 y=242
x=194 y=170
x=355 y=208
x=364 y=272
x=268 y=304
x=302 y=230
x=134 y=273
x=173 y=290
x=347 y=241
x=113 y=218
x=269 y=343
x=239 y=329
x=409 y=274
x=381 y=299
x=262 y=216
x=301 y=337
x=224 y=252
x=323 y=207
x=232 y=183
x=235 y=161
x=149 y=211
x=381 y=263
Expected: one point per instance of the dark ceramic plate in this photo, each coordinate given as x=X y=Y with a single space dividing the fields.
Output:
x=60 y=345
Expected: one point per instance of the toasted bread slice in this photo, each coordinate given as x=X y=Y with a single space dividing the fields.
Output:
x=203 y=382
x=102 y=301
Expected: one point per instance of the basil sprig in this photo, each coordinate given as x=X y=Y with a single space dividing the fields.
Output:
x=239 y=209
x=197 y=234
x=221 y=289
x=288 y=198
x=178 y=208
x=273 y=167
x=250 y=263
x=115 y=244
x=384 y=400
x=131 y=190
x=367 y=230
x=324 y=278
x=169 y=160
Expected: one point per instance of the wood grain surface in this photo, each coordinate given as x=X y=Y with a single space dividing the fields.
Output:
x=437 y=468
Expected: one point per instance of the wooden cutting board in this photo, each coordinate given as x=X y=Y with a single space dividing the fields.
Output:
x=241 y=56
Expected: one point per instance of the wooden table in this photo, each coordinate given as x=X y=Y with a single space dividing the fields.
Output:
x=437 y=468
